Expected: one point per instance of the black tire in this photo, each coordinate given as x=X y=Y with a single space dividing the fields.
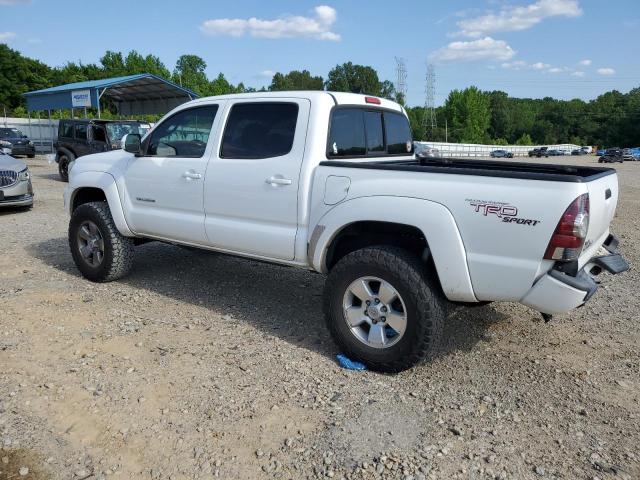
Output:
x=31 y=155
x=64 y=159
x=117 y=259
x=425 y=307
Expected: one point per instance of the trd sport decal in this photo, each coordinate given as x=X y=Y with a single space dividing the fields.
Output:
x=505 y=212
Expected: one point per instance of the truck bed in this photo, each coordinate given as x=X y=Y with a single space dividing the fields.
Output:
x=486 y=168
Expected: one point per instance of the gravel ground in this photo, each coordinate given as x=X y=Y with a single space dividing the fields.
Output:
x=200 y=365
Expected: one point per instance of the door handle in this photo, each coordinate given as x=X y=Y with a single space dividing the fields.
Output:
x=191 y=175
x=275 y=180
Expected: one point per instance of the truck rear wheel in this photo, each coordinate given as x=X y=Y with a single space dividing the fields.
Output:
x=99 y=251
x=383 y=308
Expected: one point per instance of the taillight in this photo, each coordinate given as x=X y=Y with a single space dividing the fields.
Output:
x=568 y=238
x=374 y=100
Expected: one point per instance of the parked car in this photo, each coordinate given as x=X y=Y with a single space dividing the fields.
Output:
x=77 y=138
x=627 y=155
x=15 y=183
x=20 y=143
x=261 y=176
x=586 y=150
x=554 y=153
x=5 y=147
x=612 y=155
x=538 y=152
x=600 y=152
x=423 y=151
x=578 y=151
x=501 y=154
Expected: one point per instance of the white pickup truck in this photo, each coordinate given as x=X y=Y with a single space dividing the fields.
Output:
x=329 y=182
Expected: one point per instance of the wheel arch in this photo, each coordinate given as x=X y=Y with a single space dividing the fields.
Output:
x=66 y=151
x=97 y=186
x=414 y=224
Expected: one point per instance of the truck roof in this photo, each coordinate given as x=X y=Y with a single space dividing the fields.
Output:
x=338 y=98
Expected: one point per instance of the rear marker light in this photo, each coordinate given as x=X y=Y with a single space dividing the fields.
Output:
x=374 y=100
x=568 y=238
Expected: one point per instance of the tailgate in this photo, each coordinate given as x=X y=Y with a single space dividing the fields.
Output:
x=603 y=198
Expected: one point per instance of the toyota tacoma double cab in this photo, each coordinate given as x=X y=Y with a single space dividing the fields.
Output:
x=329 y=182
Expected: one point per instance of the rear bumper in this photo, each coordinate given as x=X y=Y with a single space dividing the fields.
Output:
x=558 y=292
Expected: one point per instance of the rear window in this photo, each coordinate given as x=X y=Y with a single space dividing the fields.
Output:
x=398 y=134
x=359 y=132
x=66 y=130
x=259 y=130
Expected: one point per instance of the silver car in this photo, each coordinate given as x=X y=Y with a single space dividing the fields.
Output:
x=15 y=183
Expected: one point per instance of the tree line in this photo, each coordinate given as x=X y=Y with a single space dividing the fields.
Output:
x=468 y=116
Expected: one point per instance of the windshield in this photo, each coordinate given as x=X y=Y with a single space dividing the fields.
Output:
x=117 y=130
x=10 y=133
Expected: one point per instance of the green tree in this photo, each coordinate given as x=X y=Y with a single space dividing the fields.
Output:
x=190 y=73
x=500 y=125
x=221 y=86
x=135 y=63
x=525 y=139
x=113 y=64
x=296 y=80
x=388 y=90
x=468 y=113
x=355 y=79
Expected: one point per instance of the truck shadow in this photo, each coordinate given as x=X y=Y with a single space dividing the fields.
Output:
x=281 y=301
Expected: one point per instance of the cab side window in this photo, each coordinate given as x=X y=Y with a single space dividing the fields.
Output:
x=259 y=130
x=65 y=130
x=98 y=133
x=184 y=134
x=81 y=131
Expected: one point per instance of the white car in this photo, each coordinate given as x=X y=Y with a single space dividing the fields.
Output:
x=329 y=182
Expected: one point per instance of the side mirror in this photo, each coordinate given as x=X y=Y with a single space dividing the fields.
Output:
x=132 y=143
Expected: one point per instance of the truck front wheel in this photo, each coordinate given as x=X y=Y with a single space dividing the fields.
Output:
x=99 y=251
x=383 y=308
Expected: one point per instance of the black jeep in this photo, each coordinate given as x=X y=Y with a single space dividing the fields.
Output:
x=77 y=138
x=539 y=152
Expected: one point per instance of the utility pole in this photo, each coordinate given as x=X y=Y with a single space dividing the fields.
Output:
x=429 y=120
x=401 y=79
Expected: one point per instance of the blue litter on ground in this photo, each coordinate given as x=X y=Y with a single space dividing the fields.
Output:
x=346 y=362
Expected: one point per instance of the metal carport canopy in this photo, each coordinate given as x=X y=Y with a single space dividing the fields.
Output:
x=139 y=94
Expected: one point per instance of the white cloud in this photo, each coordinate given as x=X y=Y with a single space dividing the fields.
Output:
x=539 y=66
x=585 y=63
x=318 y=26
x=578 y=73
x=6 y=36
x=606 y=71
x=510 y=18
x=267 y=73
x=555 y=70
x=521 y=65
x=14 y=2
x=482 y=49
